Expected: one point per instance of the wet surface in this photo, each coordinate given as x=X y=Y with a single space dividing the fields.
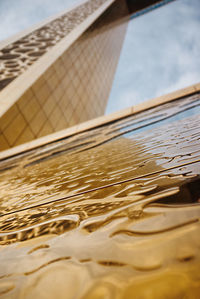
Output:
x=109 y=213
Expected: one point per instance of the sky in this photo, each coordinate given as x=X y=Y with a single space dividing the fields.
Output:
x=161 y=52
x=17 y=15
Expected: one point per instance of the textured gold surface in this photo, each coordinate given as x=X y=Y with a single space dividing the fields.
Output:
x=74 y=89
x=110 y=213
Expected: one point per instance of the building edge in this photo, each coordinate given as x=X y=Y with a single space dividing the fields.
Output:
x=10 y=94
x=99 y=121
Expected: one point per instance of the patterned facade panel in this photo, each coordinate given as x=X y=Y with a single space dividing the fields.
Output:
x=111 y=212
x=74 y=89
x=18 y=56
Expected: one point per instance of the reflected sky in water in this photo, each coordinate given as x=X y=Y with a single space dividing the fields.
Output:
x=160 y=54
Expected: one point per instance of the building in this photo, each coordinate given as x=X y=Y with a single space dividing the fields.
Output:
x=108 y=208
x=61 y=73
x=51 y=75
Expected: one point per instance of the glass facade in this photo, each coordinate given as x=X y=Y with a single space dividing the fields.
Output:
x=75 y=88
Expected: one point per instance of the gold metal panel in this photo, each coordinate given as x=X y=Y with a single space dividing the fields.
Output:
x=8 y=117
x=26 y=135
x=4 y=143
x=14 y=129
x=30 y=110
x=37 y=122
x=46 y=129
x=112 y=212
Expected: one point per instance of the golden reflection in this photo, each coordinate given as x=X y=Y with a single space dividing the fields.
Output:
x=115 y=219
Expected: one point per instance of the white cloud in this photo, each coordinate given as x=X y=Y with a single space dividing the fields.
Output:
x=17 y=15
x=160 y=54
x=126 y=99
x=183 y=81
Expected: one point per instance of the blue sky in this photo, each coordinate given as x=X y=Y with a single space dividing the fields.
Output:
x=161 y=52
x=17 y=15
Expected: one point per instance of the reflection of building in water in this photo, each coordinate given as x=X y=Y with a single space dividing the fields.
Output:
x=108 y=208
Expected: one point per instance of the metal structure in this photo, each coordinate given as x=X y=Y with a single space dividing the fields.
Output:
x=61 y=73
x=108 y=208
x=112 y=211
